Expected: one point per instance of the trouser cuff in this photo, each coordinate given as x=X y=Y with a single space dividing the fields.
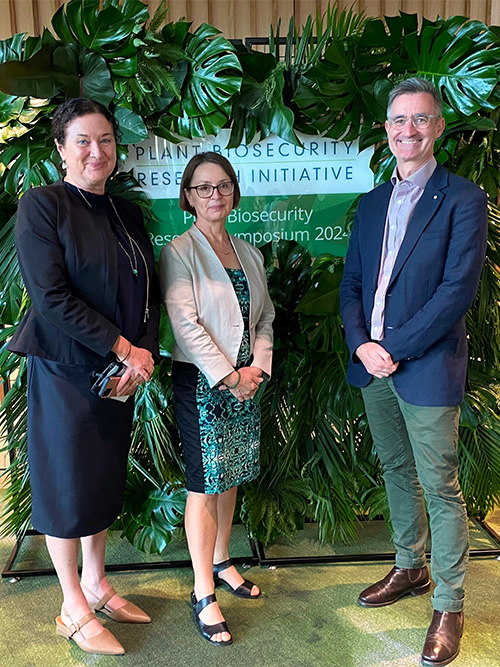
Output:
x=447 y=604
x=410 y=563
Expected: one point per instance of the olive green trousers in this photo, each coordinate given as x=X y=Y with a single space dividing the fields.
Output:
x=417 y=449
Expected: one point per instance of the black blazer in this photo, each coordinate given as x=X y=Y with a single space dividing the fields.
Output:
x=68 y=259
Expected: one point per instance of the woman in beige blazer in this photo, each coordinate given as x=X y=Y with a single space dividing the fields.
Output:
x=215 y=290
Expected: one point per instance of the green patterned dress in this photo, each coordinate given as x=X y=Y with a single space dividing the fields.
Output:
x=229 y=429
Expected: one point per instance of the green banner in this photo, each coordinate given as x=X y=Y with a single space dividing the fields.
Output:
x=293 y=192
x=315 y=221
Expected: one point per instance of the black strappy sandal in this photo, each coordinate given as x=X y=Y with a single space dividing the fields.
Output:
x=243 y=591
x=207 y=631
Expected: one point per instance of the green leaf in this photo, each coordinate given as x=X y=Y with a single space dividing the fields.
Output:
x=214 y=76
x=81 y=73
x=10 y=107
x=109 y=32
x=265 y=102
x=30 y=159
x=323 y=298
x=132 y=128
x=466 y=75
x=30 y=77
x=166 y=335
x=151 y=515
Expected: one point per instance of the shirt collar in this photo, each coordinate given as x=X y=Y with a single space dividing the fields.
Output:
x=418 y=178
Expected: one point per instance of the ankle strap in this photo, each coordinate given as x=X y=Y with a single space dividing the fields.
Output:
x=199 y=605
x=219 y=567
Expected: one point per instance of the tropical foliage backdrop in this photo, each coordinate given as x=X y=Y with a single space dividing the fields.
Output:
x=330 y=76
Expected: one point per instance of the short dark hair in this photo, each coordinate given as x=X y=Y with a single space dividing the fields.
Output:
x=193 y=164
x=412 y=86
x=74 y=108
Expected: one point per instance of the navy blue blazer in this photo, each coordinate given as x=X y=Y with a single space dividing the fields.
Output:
x=433 y=283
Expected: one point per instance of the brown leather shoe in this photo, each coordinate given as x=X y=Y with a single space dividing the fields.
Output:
x=396 y=585
x=442 y=643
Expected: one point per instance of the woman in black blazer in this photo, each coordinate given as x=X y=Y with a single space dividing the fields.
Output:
x=87 y=264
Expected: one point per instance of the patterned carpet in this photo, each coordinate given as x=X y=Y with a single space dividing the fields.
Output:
x=307 y=618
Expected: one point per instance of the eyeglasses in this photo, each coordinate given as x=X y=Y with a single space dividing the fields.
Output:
x=420 y=121
x=205 y=191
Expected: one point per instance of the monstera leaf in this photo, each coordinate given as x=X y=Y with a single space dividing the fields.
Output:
x=30 y=160
x=150 y=513
x=214 y=77
x=109 y=32
x=381 y=39
x=210 y=85
x=132 y=128
x=465 y=74
x=30 y=77
x=338 y=95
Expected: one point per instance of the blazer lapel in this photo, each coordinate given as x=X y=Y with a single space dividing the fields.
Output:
x=426 y=208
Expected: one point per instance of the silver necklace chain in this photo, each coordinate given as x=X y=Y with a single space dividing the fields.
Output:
x=133 y=263
x=133 y=266
x=133 y=245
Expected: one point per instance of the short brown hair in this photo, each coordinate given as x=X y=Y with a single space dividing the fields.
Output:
x=193 y=164
x=75 y=108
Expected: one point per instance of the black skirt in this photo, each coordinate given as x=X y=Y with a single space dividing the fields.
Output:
x=78 y=446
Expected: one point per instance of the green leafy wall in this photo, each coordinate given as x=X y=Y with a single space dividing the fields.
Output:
x=331 y=77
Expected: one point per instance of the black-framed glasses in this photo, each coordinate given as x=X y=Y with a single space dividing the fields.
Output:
x=420 y=121
x=205 y=190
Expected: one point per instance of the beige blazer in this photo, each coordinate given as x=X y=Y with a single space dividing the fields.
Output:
x=203 y=307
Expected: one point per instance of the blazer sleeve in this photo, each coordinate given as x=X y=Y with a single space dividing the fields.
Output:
x=192 y=338
x=452 y=299
x=263 y=344
x=43 y=268
x=351 y=293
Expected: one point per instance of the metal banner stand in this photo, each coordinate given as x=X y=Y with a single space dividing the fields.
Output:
x=9 y=572
x=275 y=561
x=258 y=557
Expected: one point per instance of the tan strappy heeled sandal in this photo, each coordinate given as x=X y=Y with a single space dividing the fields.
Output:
x=129 y=613
x=104 y=643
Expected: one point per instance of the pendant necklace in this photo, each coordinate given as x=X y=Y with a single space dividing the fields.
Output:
x=131 y=260
x=133 y=245
x=224 y=252
x=131 y=241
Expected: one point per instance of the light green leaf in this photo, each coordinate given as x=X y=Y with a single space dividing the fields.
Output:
x=132 y=128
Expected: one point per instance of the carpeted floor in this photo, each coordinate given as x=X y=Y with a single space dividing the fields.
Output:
x=308 y=616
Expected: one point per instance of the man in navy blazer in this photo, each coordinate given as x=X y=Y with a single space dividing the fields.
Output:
x=411 y=272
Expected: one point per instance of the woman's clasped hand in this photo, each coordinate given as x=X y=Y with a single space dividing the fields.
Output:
x=246 y=379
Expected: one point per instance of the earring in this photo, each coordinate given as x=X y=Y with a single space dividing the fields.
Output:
x=64 y=166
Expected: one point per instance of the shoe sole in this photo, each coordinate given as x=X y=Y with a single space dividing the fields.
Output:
x=431 y=663
x=414 y=592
